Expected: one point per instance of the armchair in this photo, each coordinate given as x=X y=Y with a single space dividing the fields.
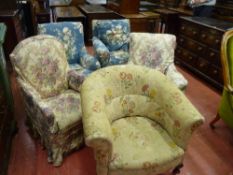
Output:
x=136 y=120
x=111 y=41
x=52 y=108
x=156 y=51
x=225 y=110
x=71 y=35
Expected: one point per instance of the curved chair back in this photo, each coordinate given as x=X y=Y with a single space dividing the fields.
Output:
x=41 y=61
x=71 y=35
x=226 y=104
x=113 y=33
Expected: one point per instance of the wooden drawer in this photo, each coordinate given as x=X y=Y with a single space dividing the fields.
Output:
x=203 y=65
x=213 y=56
x=188 y=29
x=186 y=56
x=215 y=73
x=192 y=45
x=211 y=37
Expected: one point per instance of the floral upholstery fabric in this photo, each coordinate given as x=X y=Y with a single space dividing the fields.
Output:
x=150 y=151
x=71 y=35
x=54 y=113
x=47 y=70
x=111 y=41
x=124 y=105
x=156 y=51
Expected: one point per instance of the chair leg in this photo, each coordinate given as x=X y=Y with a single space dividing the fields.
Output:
x=177 y=169
x=217 y=118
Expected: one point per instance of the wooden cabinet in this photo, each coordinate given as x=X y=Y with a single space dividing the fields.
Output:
x=16 y=29
x=124 y=6
x=198 y=47
x=7 y=123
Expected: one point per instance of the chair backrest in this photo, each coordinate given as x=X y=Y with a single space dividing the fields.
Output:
x=152 y=50
x=41 y=61
x=113 y=33
x=227 y=58
x=71 y=35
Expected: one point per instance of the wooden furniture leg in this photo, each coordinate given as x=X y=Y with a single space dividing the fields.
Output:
x=177 y=169
x=217 y=118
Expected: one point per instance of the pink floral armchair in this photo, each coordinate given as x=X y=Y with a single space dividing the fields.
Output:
x=156 y=51
x=52 y=108
x=136 y=121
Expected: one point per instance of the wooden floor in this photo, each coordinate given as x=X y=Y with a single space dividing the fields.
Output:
x=210 y=152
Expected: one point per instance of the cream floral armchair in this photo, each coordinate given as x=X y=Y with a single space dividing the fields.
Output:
x=52 y=108
x=156 y=51
x=136 y=120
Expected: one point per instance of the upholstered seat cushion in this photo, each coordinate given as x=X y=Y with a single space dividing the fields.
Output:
x=141 y=145
x=65 y=107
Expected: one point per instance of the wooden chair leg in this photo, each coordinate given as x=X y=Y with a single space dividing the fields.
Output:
x=177 y=169
x=217 y=118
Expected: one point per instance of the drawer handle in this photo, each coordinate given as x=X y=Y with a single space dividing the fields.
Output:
x=215 y=71
x=212 y=54
x=217 y=41
x=203 y=35
x=190 y=57
x=182 y=28
x=201 y=64
x=181 y=40
x=199 y=48
x=194 y=32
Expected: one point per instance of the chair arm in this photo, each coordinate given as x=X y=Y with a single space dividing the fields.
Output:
x=101 y=51
x=176 y=77
x=33 y=101
x=96 y=125
x=76 y=76
x=88 y=61
x=184 y=117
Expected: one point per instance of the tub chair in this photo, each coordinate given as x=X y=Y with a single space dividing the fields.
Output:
x=71 y=35
x=156 y=51
x=111 y=41
x=52 y=107
x=225 y=110
x=136 y=120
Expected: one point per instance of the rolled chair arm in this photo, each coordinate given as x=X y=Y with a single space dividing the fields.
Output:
x=176 y=77
x=184 y=118
x=88 y=61
x=33 y=98
x=76 y=76
x=96 y=125
x=101 y=51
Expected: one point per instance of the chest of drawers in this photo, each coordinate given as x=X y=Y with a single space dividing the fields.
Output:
x=198 y=47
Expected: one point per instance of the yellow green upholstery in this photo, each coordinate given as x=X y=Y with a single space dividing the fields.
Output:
x=136 y=120
x=226 y=104
x=53 y=109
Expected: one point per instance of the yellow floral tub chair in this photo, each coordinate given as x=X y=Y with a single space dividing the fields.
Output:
x=136 y=121
x=52 y=107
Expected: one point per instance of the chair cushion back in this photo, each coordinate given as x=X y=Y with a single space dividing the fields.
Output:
x=152 y=50
x=113 y=33
x=41 y=61
x=71 y=35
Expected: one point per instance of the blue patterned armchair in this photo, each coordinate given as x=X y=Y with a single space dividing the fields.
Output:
x=71 y=35
x=111 y=41
x=53 y=109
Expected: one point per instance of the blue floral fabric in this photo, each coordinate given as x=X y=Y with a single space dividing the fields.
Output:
x=111 y=41
x=71 y=35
